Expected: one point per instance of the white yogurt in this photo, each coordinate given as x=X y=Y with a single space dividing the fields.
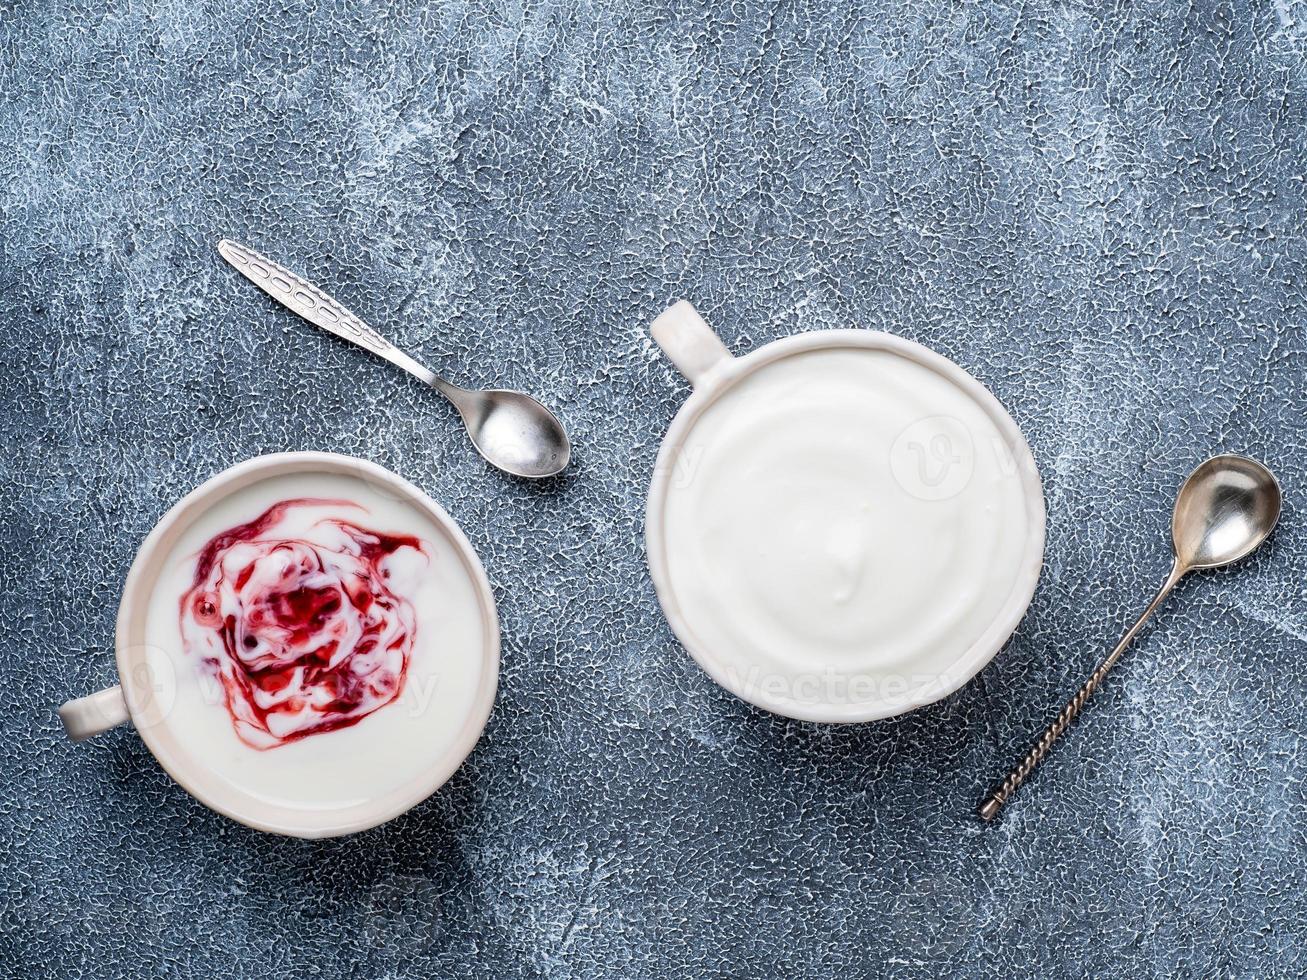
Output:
x=393 y=745
x=842 y=526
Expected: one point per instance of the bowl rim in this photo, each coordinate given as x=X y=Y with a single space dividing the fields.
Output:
x=147 y=713
x=723 y=379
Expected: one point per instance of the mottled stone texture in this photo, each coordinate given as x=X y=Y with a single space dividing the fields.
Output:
x=1099 y=210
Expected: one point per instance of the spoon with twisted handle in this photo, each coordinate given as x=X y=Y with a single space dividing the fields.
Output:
x=511 y=430
x=1224 y=511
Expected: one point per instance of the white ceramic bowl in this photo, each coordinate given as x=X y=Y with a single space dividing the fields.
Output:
x=144 y=699
x=714 y=373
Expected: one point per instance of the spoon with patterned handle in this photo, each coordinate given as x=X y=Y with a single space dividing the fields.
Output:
x=1224 y=511
x=511 y=430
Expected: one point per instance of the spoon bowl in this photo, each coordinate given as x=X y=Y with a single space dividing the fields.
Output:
x=514 y=432
x=1225 y=509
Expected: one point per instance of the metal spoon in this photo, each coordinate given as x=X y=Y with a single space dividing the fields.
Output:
x=1225 y=509
x=511 y=430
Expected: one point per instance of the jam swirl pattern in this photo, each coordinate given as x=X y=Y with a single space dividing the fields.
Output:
x=303 y=629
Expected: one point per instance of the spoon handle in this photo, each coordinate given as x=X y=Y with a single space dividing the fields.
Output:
x=300 y=296
x=994 y=802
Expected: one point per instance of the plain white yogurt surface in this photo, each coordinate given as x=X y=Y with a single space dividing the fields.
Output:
x=392 y=747
x=841 y=527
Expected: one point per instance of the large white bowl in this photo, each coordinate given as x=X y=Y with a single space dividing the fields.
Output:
x=713 y=372
x=141 y=698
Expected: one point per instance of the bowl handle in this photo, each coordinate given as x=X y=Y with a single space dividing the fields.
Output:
x=94 y=713
x=691 y=344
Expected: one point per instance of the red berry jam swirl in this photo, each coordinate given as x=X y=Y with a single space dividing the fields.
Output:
x=303 y=628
